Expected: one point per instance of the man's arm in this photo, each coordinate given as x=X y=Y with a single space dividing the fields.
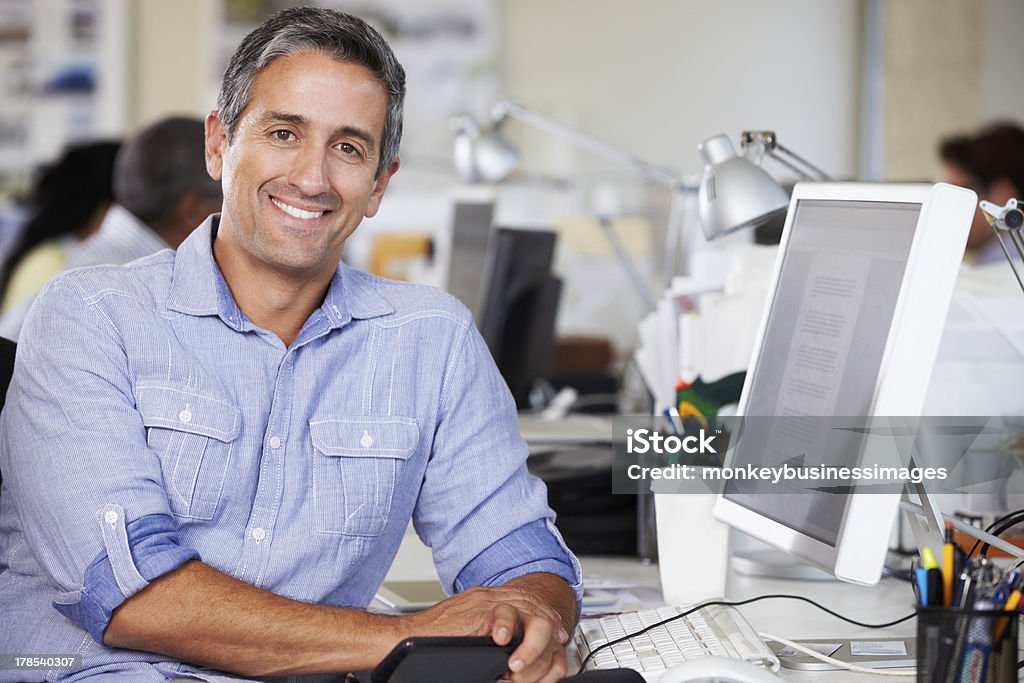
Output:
x=199 y=615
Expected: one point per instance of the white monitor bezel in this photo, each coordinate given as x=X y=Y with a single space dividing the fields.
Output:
x=929 y=279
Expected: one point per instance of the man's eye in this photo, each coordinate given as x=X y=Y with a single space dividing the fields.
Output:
x=349 y=149
x=282 y=135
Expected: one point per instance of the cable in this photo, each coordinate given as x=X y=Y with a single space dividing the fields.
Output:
x=835 y=662
x=996 y=528
x=737 y=603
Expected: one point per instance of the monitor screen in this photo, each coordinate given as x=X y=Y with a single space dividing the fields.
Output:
x=518 y=306
x=851 y=329
x=822 y=349
x=471 y=228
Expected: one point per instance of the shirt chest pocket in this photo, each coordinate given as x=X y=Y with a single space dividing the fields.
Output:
x=356 y=464
x=193 y=434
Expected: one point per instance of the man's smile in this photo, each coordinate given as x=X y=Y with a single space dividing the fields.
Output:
x=296 y=211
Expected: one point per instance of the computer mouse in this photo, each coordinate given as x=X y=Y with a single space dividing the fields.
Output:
x=717 y=670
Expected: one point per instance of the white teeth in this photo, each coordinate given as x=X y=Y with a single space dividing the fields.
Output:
x=298 y=213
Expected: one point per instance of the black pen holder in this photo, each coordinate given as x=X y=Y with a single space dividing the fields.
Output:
x=966 y=646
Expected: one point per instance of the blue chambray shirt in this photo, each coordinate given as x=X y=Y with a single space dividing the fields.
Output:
x=150 y=422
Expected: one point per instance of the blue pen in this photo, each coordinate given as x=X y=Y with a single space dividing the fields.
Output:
x=1005 y=588
x=922 y=585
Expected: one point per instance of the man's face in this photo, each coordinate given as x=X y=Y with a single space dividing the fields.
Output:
x=298 y=177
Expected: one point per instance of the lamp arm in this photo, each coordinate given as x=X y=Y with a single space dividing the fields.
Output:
x=758 y=143
x=504 y=108
x=797 y=163
x=1008 y=218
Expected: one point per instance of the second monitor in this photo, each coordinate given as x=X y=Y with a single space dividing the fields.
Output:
x=518 y=305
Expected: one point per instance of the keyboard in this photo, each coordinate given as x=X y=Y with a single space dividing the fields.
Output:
x=715 y=631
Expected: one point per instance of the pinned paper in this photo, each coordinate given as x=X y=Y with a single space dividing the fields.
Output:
x=878 y=648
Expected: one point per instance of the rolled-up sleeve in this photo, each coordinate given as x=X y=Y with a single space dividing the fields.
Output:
x=484 y=516
x=87 y=488
x=527 y=550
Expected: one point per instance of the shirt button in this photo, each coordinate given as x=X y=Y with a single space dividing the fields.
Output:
x=366 y=441
x=110 y=517
x=185 y=416
x=275 y=442
x=259 y=533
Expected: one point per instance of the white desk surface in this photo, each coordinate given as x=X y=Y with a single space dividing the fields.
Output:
x=887 y=601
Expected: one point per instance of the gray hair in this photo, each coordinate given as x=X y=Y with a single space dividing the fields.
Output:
x=159 y=165
x=314 y=29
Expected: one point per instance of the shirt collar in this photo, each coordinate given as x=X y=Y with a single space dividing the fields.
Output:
x=198 y=287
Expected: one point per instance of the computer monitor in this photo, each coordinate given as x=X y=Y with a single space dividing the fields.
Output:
x=473 y=213
x=858 y=300
x=518 y=305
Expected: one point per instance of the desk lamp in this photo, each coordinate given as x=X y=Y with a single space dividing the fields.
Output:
x=1010 y=219
x=735 y=192
x=487 y=156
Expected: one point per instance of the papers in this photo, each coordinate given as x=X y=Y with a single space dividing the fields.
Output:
x=878 y=648
x=705 y=324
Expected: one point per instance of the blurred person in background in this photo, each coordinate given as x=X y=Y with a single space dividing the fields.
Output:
x=990 y=162
x=66 y=205
x=161 y=191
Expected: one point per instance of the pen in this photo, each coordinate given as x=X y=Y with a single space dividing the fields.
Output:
x=1009 y=606
x=935 y=588
x=922 y=585
x=934 y=577
x=1006 y=587
x=928 y=558
x=948 y=566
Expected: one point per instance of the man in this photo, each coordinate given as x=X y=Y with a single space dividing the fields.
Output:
x=161 y=190
x=990 y=162
x=161 y=193
x=210 y=456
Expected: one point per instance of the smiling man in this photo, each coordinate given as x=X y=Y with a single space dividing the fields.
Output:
x=210 y=457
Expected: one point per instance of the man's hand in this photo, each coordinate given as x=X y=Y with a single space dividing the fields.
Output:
x=540 y=607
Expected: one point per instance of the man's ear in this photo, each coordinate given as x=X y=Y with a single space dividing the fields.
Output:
x=216 y=145
x=379 y=185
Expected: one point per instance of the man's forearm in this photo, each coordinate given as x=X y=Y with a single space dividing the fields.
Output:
x=197 y=614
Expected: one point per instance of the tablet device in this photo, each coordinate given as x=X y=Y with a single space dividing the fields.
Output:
x=463 y=659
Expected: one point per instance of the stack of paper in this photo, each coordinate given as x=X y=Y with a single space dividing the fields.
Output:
x=705 y=323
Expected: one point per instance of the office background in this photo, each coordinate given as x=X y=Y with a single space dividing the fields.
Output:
x=864 y=88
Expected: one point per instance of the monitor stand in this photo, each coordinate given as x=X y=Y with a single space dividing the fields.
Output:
x=775 y=564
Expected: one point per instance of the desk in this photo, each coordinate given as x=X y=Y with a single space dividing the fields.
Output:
x=887 y=601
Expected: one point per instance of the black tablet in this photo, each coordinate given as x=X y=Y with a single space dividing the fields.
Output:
x=464 y=659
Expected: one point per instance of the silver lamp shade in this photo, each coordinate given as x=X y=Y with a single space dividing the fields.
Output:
x=734 y=192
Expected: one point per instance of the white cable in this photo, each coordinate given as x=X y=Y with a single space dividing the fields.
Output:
x=836 y=662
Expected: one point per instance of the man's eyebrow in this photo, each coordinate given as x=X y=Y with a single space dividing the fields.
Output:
x=300 y=120
x=274 y=116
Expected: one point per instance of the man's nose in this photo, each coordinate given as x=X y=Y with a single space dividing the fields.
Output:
x=308 y=173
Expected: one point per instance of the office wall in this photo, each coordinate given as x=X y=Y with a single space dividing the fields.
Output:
x=1003 y=55
x=950 y=66
x=659 y=76
x=172 y=44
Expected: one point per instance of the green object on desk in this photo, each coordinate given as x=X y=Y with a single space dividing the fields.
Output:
x=705 y=399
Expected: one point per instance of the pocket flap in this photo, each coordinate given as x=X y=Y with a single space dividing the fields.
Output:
x=185 y=410
x=384 y=437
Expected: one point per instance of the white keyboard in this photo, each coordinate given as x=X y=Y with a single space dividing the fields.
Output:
x=715 y=631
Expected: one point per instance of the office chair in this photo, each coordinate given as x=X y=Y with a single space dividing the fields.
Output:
x=7 y=348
